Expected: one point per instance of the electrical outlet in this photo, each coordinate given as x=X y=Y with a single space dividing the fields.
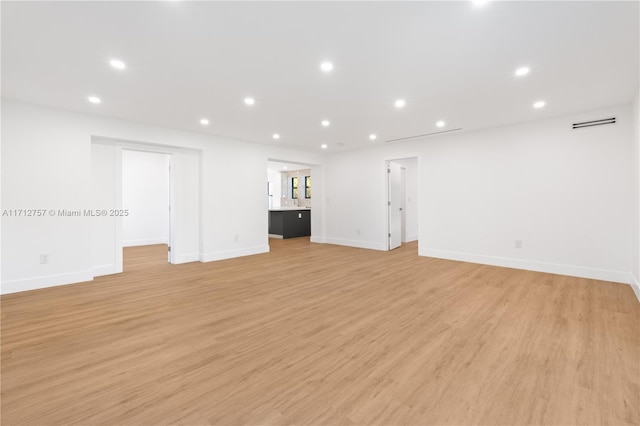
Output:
x=44 y=258
x=518 y=243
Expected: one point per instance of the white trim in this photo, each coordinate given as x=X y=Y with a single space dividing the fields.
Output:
x=358 y=244
x=186 y=258
x=551 y=268
x=411 y=238
x=229 y=254
x=148 y=242
x=276 y=236
x=46 y=281
x=101 y=270
x=319 y=240
x=635 y=286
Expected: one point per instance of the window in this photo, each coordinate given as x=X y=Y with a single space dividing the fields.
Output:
x=307 y=187
x=294 y=187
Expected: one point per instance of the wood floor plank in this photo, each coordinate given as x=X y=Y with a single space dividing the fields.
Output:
x=323 y=335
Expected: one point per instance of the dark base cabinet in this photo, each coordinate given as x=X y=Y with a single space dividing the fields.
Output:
x=290 y=223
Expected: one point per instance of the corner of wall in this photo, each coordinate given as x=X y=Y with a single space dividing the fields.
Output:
x=635 y=285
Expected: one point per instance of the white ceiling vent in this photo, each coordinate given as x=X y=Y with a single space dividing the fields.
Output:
x=423 y=135
x=602 y=122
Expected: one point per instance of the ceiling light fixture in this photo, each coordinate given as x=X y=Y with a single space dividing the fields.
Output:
x=325 y=123
x=323 y=146
x=539 y=104
x=249 y=101
x=440 y=123
x=326 y=66
x=204 y=121
x=479 y=3
x=117 y=64
x=276 y=136
x=400 y=103
x=372 y=136
x=522 y=71
x=94 y=99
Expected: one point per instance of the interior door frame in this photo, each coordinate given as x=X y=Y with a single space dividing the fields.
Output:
x=393 y=234
x=317 y=197
x=120 y=145
x=408 y=156
x=119 y=197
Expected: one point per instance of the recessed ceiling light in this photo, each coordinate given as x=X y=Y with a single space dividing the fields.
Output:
x=440 y=123
x=276 y=136
x=284 y=167
x=372 y=136
x=249 y=101
x=323 y=146
x=400 y=103
x=325 y=123
x=326 y=66
x=94 y=99
x=204 y=121
x=539 y=104
x=117 y=64
x=479 y=2
x=522 y=71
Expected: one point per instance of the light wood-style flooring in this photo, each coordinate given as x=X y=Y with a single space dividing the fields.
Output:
x=323 y=335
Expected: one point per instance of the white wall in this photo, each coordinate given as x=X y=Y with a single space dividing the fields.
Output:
x=40 y=170
x=636 y=197
x=47 y=163
x=145 y=195
x=411 y=198
x=566 y=194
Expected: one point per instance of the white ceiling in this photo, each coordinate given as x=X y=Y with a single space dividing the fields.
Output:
x=281 y=166
x=450 y=60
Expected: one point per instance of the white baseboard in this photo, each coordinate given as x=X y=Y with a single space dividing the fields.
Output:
x=411 y=238
x=46 y=281
x=99 y=271
x=148 y=242
x=229 y=254
x=551 y=268
x=319 y=240
x=635 y=286
x=354 y=243
x=186 y=258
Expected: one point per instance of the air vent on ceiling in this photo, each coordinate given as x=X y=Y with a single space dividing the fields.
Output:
x=592 y=123
x=423 y=135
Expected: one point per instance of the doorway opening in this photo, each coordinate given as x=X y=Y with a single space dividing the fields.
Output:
x=177 y=168
x=289 y=201
x=402 y=201
x=146 y=202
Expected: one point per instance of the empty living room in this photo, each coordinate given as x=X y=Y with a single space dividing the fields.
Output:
x=320 y=213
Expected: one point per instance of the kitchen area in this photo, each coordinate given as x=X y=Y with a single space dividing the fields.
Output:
x=289 y=197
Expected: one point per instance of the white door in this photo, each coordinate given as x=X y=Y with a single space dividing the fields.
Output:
x=394 y=179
